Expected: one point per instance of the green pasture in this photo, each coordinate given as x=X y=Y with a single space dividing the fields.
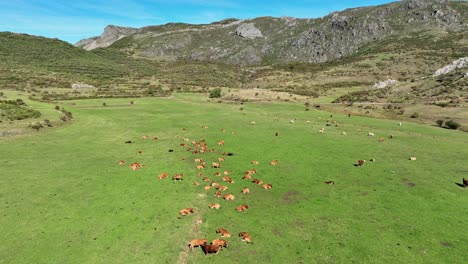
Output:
x=64 y=198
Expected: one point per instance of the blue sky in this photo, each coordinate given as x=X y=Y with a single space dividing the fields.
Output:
x=71 y=20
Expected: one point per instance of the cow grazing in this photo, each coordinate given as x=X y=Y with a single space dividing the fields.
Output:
x=245 y=190
x=276 y=134
x=465 y=183
x=412 y=158
x=186 y=211
x=210 y=249
x=344 y=133
x=216 y=165
x=178 y=177
x=200 y=167
x=206 y=188
x=163 y=175
x=145 y=137
x=223 y=130
x=139 y=152
x=217 y=194
x=214 y=206
x=220 y=243
x=242 y=208
x=226 y=172
x=274 y=163
x=381 y=139
x=214 y=184
x=222 y=188
x=206 y=179
x=228 y=197
x=155 y=138
x=391 y=136
x=322 y=130
x=291 y=121
x=183 y=144
x=247 y=176
x=217 y=174
x=122 y=162
x=372 y=160
x=252 y=123
x=221 y=159
x=254 y=162
x=223 y=232
x=182 y=158
x=197 y=243
x=246 y=237
x=220 y=143
x=360 y=163
x=196 y=183
x=370 y=134
x=128 y=142
x=226 y=178
x=267 y=186
x=198 y=160
x=200 y=174
x=257 y=181
x=135 y=166
x=330 y=182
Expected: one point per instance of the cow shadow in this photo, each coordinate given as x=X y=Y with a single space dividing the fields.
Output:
x=460 y=185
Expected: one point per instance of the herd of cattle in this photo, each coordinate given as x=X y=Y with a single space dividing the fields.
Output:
x=219 y=183
x=197 y=149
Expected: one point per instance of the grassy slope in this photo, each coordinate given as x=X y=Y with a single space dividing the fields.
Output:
x=64 y=198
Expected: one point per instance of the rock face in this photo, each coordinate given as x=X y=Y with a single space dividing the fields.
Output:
x=458 y=64
x=110 y=35
x=248 y=30
x=384 y=84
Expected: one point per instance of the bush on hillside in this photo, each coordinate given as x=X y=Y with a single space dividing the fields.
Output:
x=215 y=93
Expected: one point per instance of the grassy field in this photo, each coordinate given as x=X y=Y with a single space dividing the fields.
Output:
x=64 y=198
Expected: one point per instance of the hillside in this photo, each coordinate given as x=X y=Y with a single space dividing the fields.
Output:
x=267 y=40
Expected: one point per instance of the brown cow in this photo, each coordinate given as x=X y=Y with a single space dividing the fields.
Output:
x=122 y=162
x=200 y=167
x=217 y=174
x=245 y=190
x=226 y=178
x=206 y=188
x=221 y=159
x=254 y=162
x=155 y=138
x=217 y=194
x=360 y=163
x=274 y=163
x=135 y=166
x=242 y=208
x=220 y=242
x=186 y=211
x=198 y=160
x=206 y=179
x=145 y=137
x=465 y=183
x=221 y=142
x=200 y=174
x=197 y=243
x=381 y=139
x=257 y=181
x=163 y=175
x=210 y=249
x=215 y=165
x=226 y=172
x=196 y=183
x=245 y=237
x=252 y=171
x=247 y=176
x=214 y=184
x=228 y=197
x=267 y=186
x=223 y=232
x=222 y=188
x=178 y=177
x=214 y=206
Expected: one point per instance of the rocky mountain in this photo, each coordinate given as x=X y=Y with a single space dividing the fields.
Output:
x=268 y=40
x=110 y=35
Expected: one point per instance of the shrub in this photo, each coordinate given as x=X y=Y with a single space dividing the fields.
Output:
x=57 y=107
x=452 y=125
x=104 y=104
x=440 y=123
x=215 y=93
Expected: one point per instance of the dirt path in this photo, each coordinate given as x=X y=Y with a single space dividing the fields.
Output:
x=194 y=229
